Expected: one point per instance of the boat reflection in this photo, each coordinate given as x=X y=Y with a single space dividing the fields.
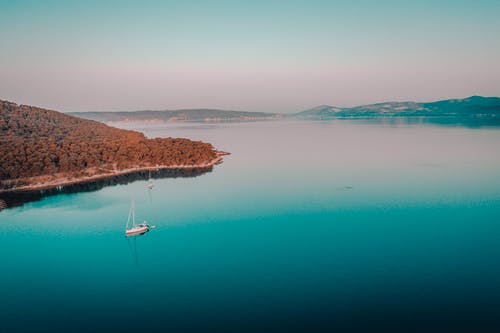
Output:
x=132 y=245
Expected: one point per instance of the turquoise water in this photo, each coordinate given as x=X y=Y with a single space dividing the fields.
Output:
x=306 y=227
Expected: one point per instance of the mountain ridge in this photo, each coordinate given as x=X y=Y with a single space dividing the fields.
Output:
x=203 y=114
x=469 y=106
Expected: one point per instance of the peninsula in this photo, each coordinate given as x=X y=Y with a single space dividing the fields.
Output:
x=43 y=149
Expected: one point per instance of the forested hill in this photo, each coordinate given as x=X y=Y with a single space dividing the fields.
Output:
x=196 y=115
x=35 y=142
x=474 y=106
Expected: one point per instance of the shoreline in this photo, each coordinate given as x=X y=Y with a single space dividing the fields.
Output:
x=60 y=184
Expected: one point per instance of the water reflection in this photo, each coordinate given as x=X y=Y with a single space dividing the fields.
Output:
x=132 y=246
x=13 y=199
x=469 y=121
x=150 y=196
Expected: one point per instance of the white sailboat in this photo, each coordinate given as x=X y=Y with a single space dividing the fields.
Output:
x=150 y=183
x=135 y=229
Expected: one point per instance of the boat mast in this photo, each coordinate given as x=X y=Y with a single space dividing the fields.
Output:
x=131 y=213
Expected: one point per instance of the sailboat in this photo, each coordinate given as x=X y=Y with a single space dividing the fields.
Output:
x=135 y=229
x=150 y=183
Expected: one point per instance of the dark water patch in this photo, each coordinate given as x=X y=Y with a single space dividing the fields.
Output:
x=18 y=198
x=319 y=316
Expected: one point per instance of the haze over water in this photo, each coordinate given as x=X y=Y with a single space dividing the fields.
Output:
x=306 y=226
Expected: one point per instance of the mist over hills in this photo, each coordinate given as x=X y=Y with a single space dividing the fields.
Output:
x=471 y=109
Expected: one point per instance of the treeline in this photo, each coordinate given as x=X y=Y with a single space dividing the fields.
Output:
x=35 y=142
x=178 y=115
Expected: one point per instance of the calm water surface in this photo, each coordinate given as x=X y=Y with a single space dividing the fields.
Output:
x=305 y=227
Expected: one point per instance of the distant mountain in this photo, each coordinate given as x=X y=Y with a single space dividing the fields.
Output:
x=474 y=106
x=474 y=110
x=322 y=111
x=195 y=115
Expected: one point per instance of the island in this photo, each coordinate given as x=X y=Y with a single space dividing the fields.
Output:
x=44 y=151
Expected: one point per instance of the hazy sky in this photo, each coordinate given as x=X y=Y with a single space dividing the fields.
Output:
x=246 y=55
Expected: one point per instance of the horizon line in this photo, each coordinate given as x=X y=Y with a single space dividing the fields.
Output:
x=239 y=110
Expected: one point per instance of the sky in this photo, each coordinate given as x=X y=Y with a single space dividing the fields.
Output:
x=275 y=56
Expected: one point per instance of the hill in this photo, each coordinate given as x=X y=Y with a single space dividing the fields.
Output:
x=195 y=115
x=42 y=148
x=471 y=107
x=474 y=110
x=319 y=112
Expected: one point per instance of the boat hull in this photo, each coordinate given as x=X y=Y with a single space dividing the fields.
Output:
x=136 y=231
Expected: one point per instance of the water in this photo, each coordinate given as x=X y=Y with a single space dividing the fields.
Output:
x=353 y=226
